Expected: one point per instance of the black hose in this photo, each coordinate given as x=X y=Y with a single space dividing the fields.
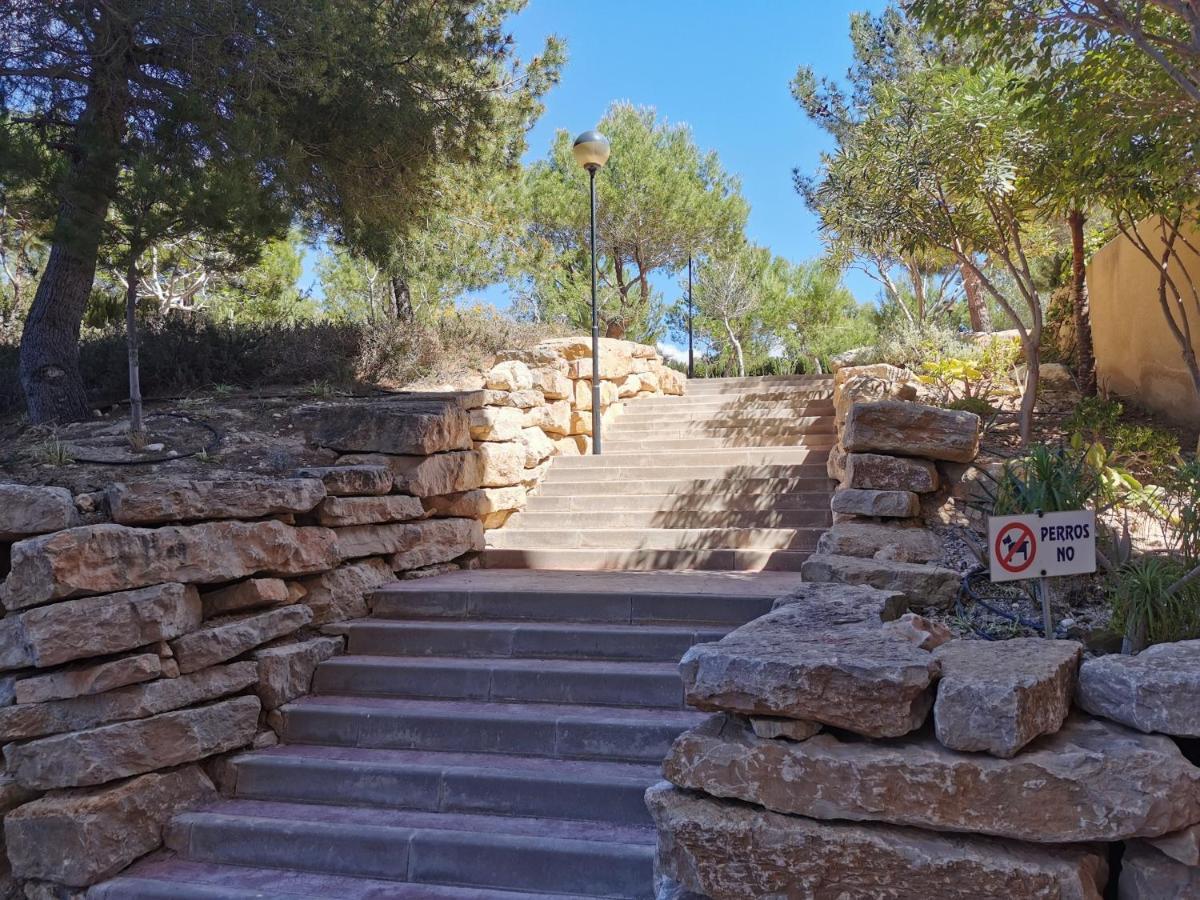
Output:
x=966 y=589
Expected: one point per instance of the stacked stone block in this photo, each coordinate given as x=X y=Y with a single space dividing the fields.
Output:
x=858 y=750
x=142 y=648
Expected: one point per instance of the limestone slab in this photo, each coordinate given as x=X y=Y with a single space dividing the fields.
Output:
x=889 y=504
x=1092 y=781
x=437 y=541
x=177 y=499
x=97 y=559
x=223 y=639
x=401 y=427
x=510 y=375
x=496 y=423
x=337 y=512
x=249 y=594
x=350 y=481
x=28 y=509
x=1147 y=874
x=427 y=476
x=93 y=626
x=824 y=657
x=341 y=593
x=285 y=672
x=81 y=680
x=477 y=503
x=911 y=429
x=84 y=758
x=722 y=848
x=997 y=696
x=923 y=585
x=77 y=838
x=501 y=465
x=1156 y=691
x=873 y=540
x=878 y=472
x=132 y=702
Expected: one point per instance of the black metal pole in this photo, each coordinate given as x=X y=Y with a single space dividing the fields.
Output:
x=595 y=326
x=691 y=360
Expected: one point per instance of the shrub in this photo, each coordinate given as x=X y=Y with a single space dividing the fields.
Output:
x=1046 y=479
x=1142 y=448
x=1145 y=606
x=910 y=346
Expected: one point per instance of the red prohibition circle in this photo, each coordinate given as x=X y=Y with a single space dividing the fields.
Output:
x=1006 y=562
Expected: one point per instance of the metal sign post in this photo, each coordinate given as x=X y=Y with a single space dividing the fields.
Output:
x=1042 y=546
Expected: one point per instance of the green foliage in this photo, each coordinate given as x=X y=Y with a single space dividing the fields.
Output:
x=1141 y=448
x=979 y=377
x=1144 y=605
x=659 y=199
x=910 y=346
x=1047 y=479
x=1181 y=497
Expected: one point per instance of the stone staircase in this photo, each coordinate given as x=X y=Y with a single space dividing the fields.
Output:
x=490 y=734
x=730 y=476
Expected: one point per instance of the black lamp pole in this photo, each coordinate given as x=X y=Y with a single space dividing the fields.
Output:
x=595 y=323
x=691 y=360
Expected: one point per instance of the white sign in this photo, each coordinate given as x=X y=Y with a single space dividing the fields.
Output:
x=1040 y=546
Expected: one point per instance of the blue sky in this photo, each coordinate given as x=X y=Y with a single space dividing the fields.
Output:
x=721 y=66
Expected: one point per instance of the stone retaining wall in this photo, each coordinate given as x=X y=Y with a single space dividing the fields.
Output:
x=153 y=629
x=858 y=751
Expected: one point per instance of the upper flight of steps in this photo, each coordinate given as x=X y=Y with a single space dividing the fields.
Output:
x=731 y=476
x=488 y=734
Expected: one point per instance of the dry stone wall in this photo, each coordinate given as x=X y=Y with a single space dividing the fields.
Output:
x=153 y=630
x=859 y=751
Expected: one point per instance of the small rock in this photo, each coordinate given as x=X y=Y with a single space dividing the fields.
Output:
x=249 y=594
x=336 y=512
x=27 y=510
x=285 y=672
x=341 y=593
x=223 y=639
x=922 y=585
x=511 y=375
x=919 y=631
x=478 y=503
x=350 y=481
x=771 y=727
x=997 y=696
x=1182 y=846
x=1147 y=874
x=426 y=476
x=501 y=465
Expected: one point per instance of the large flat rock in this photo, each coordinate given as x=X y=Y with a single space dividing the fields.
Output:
x=821 y=655
x=85 y=758
x=727 y=849
x=426 y=476
x=78 y=681
x=336 y=512
x=350 y=481
x=879 y=472
x=80 y=837
x=27 y=510
x=997 y=696
x=923 y=585
x=28 y=720
x=93 y=626
x=872 y=540
x=1156 y=691
x=879 y=504
x=341 y=593
x=98 y=559
x=911 y=429
x=1093 y=781
x=176 y=499
x=402 y=427
x=223 y=639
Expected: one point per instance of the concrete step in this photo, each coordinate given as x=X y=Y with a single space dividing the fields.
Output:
x=729 y=459
x=671 y=518
x=167 y=877
x=587 y=682
x=693 y=481
x=652 y=425
x=698 y=384
x=484 y=783
x=655 y=538
x=611 y=598
x=681 y=417
x=591 y=496
x=647 y=560
x=527 y=640
x=508 y=853
x=535 y=729
x=729 y=479
x=750 y=401
x=665 y=444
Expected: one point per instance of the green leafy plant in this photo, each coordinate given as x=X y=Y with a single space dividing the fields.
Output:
x=1152 y=600
x=1047 y=479
x=1140 y=448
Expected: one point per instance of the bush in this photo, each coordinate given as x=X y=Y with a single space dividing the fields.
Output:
x=1142 y=448
x=1046 y=479
x=910 y=346
x=1144 y=606
x=179 y=356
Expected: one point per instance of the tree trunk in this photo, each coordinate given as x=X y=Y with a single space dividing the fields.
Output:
x=737 y=348
x=1033 y=363
x=49 y=368
x=1085 y=361
x=137 y=427
x=981 y=318
x=401 y=297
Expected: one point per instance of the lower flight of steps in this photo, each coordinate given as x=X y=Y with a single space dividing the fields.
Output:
x=487 y=734
x=730 y=476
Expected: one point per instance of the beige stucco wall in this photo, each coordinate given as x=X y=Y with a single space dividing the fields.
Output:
x=1137 y=357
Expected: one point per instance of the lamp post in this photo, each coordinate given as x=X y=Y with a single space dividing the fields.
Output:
x=591 y=151
x=691 y=360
